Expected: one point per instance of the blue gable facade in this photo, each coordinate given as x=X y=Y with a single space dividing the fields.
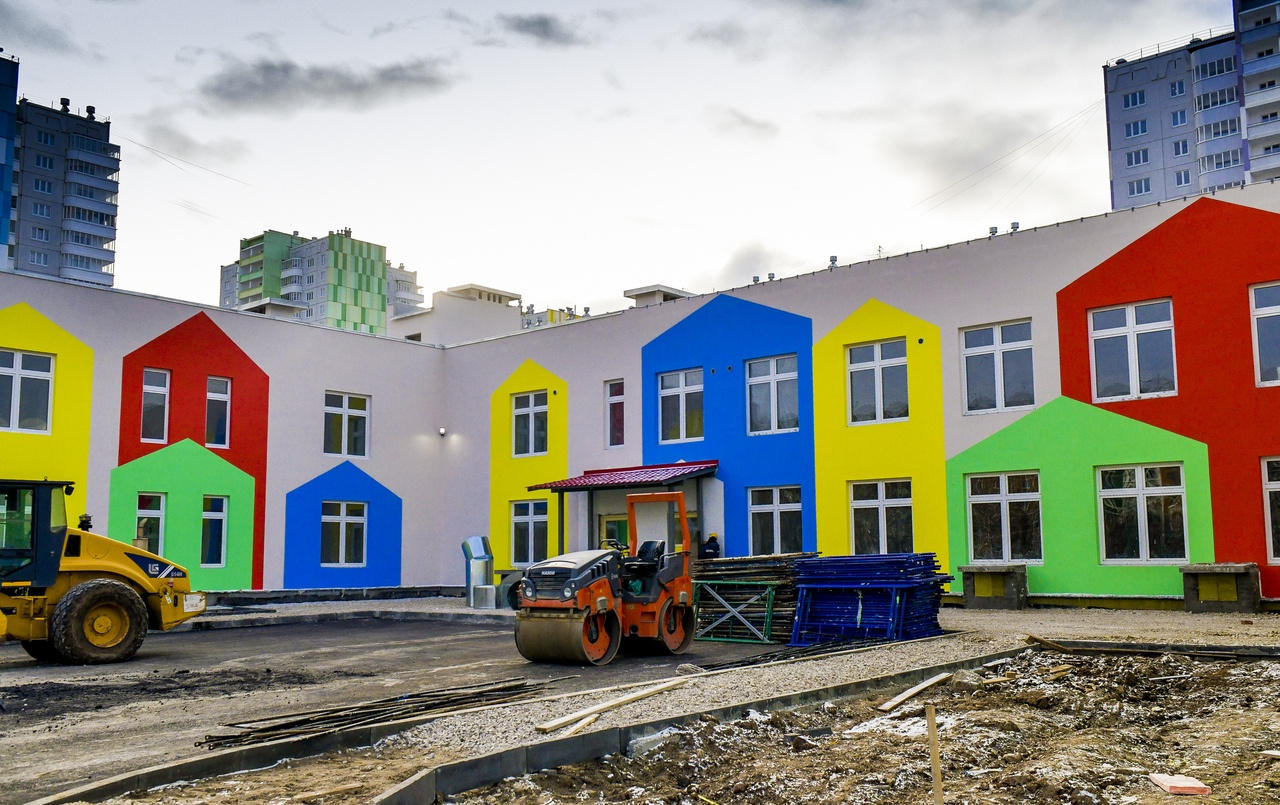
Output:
x=720 y=338
x=382 y=529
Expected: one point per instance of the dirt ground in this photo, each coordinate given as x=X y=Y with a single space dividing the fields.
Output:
x=1049 y=745
x=1090 y=736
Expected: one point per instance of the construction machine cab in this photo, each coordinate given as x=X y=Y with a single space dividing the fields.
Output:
x=33 y=530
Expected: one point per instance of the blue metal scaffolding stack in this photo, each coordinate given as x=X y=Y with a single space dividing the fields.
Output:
x=886 y=596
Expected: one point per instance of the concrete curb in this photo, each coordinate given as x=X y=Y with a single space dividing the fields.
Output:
x=454 y=778
x=239 y=622
x=254 y=597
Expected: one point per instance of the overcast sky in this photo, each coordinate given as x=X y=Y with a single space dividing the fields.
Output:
x=569 y=150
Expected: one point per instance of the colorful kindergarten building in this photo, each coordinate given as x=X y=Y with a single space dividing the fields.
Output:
x=1098 y=400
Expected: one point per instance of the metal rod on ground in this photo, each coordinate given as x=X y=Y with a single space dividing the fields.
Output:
x=935 y=756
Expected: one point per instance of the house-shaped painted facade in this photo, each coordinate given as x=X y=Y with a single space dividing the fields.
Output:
x=343 y=529
x=48 y=378
x=197 y=384
x=722 y=343
x=1213 y=263
x=206 y=512
x=1065 y=445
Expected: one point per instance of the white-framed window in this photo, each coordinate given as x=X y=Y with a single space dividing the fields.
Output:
x=217 y=412
x=1182 y=178
x=37 y=258
x=1222 y=128
x=1177 y=88
x=342 y=529
x=998 y=373
x=40 y=209
x=1135 y=129
x=1178 y=118
x=1133 y=342
x=1264 y=302
x=40 y=233
x=1142 y=513
x=1140 y=187
x=44 y=162
x=26 y=391
x=1004 y=517
x=1139 y=157
x=1266 y=84
x=213 y=532
x=878 y=382
x=614 y=413
x=1219 y=161
x=1216 y=67
x=776 y=520
x=529 y=423
x=880 y=516
x=1180 y=148
x=346 y=424
x=680 y=406
x=42 y=186
x=1271 y=505
x=1218 y=97
x=155 y=405
x=773 y=395
x=1132 y=99
x=150 y=519
x=528 y=531
x=45 y=138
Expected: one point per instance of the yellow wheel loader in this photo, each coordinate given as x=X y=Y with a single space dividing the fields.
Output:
x=75 y=597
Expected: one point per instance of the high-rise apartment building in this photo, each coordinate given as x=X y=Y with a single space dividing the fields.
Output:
x=65 y=184
x=336 y=280
x=8 y=136
x=1198 y=114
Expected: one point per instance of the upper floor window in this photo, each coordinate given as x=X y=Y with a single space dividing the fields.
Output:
x=1140 y=187
x=614 y=411
x=155 y=405
x=878 y=381
x=37 y=258
x=217 y=412
x=1265 y=303
x=881 y=516
x=1004 y=517
x=1142 y=513
x=1132 y=99
x=680 y=406
x=773 y=395
x=775 y=520
x=1182 y=178
x=1216 y=67
x=40 y=209
x=40 y=233
x=26 y=391
x=42 y=186
x=1178 y=118
x=1135 y=129
x=1218 y=97
x=1133 y=342
x=342 y=529
x=1180 y=148
x=1138 y=157
x=44 y=162
x=45 y=138
x=346 y=424
x=1177 y=88
x=998 y=374
x=213 y=532
x=529 y=423
x=1223 y=159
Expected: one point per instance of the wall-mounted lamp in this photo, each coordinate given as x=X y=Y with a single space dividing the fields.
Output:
x=442 y=432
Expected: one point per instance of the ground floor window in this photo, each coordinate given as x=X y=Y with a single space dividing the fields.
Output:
x=1004 y=517
x=342 y=529
x=614 y=527
x=1142 y=513
x=150 y=533
x=881 y=516
x=1271 y=492
x=528 y=531
x=775 y=520
x=213 y=532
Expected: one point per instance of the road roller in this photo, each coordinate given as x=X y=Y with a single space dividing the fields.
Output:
x=579 y=608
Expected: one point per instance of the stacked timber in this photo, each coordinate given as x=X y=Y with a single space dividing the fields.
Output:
x=737 y=580
x=887 y=596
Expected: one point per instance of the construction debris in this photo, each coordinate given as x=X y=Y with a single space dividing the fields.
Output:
x=910 y=692
x=1179 y=784
x=735 y=582
x=564 y=721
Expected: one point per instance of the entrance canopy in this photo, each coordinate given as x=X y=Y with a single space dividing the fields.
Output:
x=628 y=477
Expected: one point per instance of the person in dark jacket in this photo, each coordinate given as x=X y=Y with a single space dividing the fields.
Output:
x=710 y=548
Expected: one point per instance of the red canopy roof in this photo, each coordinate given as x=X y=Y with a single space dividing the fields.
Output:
x=652 y=475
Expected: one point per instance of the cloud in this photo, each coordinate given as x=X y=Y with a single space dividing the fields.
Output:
x=282 y=85
x=23 y=27
x=748 y=45
x=163 y=135
x=752 y=260
x=547 y=30
x=734 y=122
x=392 y=27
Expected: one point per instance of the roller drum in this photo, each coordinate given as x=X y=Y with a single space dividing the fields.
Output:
x=567 y=637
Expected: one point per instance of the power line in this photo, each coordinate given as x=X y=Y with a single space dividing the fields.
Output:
x=167 y=157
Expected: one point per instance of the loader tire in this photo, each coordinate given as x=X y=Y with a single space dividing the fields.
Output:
x=99 y=621
x=41 y=650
